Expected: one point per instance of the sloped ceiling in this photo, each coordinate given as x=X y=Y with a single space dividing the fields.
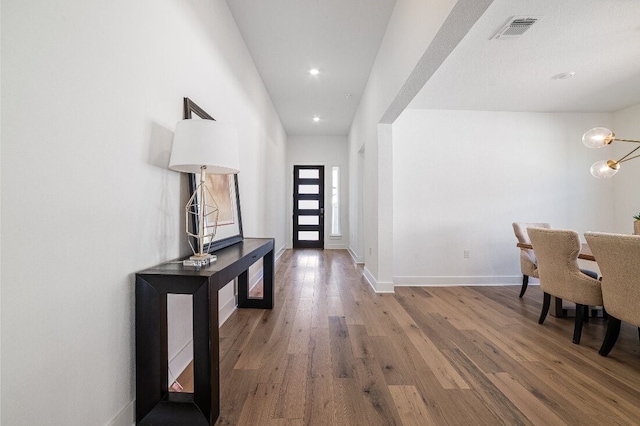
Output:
x=287 y=38
x=598 y=40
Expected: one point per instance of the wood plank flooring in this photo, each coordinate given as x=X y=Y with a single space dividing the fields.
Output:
x=332 y=352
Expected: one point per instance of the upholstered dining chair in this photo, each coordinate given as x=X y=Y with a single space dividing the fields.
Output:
x=528 y=264
x=557 y=253
x=618 y=257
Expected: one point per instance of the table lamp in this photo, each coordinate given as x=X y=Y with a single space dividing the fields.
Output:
x=203 y=146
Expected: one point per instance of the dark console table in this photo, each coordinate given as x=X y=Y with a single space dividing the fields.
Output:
x=155 y=405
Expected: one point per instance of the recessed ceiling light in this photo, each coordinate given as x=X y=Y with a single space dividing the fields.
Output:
x=314 y=71
x=564 y=75
x=316 y=119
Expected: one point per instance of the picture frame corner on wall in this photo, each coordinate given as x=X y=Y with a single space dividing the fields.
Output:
x=229 y=231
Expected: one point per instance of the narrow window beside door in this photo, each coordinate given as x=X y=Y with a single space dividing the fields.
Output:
x=335 y=201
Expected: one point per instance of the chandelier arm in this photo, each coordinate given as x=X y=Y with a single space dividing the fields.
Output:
x=630 y=158
x=623 y=159
x=625 y=140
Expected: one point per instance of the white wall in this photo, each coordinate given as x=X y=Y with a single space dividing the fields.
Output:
x=1 y=90
x=626 y=125
x=462 y=177
x=412 y=27
x=91 y=92
x=326 y=151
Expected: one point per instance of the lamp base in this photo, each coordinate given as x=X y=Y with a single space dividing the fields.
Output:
x=199 y=260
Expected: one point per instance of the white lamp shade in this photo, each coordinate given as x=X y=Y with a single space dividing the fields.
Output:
x=597 y=137
x=209 y=143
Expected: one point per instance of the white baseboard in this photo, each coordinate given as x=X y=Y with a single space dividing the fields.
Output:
x=225 y=311
x=358 y=259
x=255 y=279
x=449 y=281
x=442 y=281
x=377 y=286
x=180 y=361
x=369 y=277
x=340 y=246
x=384 y=287
x=126 y=417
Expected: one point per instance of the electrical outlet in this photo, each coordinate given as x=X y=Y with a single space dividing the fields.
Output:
x=466 y=254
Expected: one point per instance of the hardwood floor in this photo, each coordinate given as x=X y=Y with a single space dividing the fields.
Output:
x=332 y=352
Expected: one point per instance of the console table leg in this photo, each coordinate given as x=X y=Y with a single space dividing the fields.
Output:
x=266 y=302
x=268 y=279
x=155 y=405
x=243 y=289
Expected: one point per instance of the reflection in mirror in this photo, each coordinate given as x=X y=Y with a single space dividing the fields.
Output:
x=180 y=342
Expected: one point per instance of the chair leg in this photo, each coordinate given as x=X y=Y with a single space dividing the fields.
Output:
x=577 y=330
x=605 y=316
x=613 y=330
x=525 y=282
x=546 y=302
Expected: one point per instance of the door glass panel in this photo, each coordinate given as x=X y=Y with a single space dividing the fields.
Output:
x=308 y=204
x=308 y=220
x=309 y=174
x=308 y=235
x=308 y=189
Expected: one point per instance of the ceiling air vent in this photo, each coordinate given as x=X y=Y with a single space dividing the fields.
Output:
x=515 y=27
